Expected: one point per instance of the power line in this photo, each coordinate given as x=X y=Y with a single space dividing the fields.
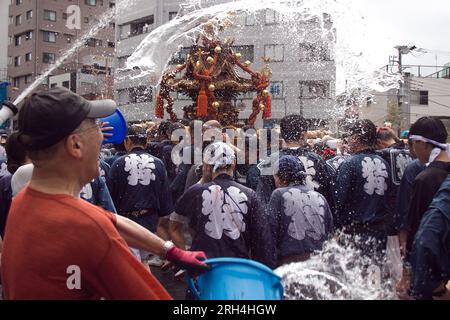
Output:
x=435 y=51
x=437 y=86
x=442 y=105
x=422 y=88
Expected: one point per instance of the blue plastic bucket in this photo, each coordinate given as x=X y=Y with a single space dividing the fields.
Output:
x=117 y=121
x=237 y=279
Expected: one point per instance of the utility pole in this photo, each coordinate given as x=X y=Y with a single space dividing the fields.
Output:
x=404 y=107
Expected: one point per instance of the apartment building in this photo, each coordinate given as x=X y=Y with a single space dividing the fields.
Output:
x=304 y=72
x=40 y=31
x=424 y=93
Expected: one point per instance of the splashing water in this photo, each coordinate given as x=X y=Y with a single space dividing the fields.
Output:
x=339 y=272
x=354 y=70
x=104 y=21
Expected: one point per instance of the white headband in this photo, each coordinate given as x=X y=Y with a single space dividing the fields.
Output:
x=219 y=155
x=443 y=146
x=436 y=151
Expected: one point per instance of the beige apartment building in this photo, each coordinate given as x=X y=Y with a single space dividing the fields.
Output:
x=424 y=93
x=40 y=31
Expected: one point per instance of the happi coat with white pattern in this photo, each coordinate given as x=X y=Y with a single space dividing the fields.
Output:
x=302 y=220
x=228 y=221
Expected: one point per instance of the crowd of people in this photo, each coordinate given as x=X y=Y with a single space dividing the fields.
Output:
x=177 y=193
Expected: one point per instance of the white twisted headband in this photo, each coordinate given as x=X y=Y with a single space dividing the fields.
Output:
x=219 y=155
x=436 y=151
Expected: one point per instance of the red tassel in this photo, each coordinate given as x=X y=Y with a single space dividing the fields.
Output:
x=159 y=109
x=267 y=114
x=202 y=104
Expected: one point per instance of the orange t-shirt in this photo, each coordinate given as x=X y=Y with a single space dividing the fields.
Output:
x=53 y=240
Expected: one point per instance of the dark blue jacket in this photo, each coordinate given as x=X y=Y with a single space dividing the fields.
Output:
x=430 y=257
x=318 y=178
x=5 y=201
x=110 y=160
x=425 y=187
x=139 y=181
x=97 y=193
x=398 y=158
x=228 y=221
x=301 y=221
x=362 y=190
x=3 y=168
x=404 y=194
x=248 y=175
x=334 y=164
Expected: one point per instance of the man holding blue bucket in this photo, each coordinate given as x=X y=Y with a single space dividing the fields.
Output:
x=58 y=246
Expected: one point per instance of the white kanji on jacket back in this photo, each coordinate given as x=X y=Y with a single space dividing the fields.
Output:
x=140 y=169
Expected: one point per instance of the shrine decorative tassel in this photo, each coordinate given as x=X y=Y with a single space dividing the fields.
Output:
x=202 y=104
x=159 y=109
x=267 y=113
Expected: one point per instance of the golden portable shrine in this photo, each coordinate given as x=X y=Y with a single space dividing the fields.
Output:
x=211 y=79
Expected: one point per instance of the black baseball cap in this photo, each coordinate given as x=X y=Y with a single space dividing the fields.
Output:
x=47 y=117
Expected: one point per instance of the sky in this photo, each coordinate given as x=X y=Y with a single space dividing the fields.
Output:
x=425 y=24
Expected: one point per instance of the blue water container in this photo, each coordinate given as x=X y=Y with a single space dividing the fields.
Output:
x=237 y=279
x=117 y=121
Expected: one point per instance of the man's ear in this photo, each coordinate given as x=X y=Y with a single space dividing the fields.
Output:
x=126 y=144
x=73 y=146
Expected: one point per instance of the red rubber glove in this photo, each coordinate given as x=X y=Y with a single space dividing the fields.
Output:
x=188 y=260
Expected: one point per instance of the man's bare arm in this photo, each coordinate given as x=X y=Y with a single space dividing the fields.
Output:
x=138 y=237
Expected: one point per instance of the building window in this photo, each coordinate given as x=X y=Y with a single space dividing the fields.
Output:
x=18 y=40
x=17 y=61
x=53 y=85
x=10 y=61
x=64 y=16
x=11 y=20
x=90 y=2
x=49 y=15
x=276 y=89
x=48 y=57
x=28 y=35
x=28 y=56
x=180 y=56
x=29 y=14
x=86 y=20
x=17 y=82
x=111 y=44
x=250 y=19
x=18 y=2
x=314 y=89
x=28 y=78
x=247 y=52
x=92 y=42
x=172 y=15
x=272 y=17
x=112 y=5
x=18 y=20
x=310 y=52
x=142 y=26
x=419 y=97
x=274 y=52
x=49 y=36
x=66 y=84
